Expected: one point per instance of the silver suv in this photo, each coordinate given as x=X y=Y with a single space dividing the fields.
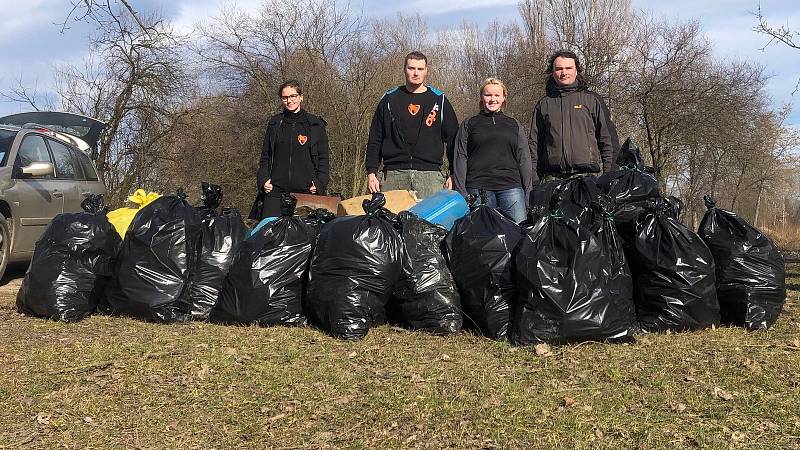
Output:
x=45 y=170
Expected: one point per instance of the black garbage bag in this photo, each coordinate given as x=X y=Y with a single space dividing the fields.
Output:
x=73 y=256
x=630 y=188
x=317 y=218
x=674 y=207
x=426 y=298
x=222 y=233
x=157 y=262
x=673 y=274
x=751 y=283
x=264 y=285
x=479 y=250
x=221 y=237
x=574 y=284
x=572 y=196
x=355 y=265
x=210 y=196
x=632 y=183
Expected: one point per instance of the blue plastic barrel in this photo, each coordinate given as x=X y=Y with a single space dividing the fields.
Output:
x=260 y=225
x=442 y=208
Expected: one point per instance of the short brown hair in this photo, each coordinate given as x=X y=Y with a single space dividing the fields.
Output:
x=417 y=56
x=294 y=84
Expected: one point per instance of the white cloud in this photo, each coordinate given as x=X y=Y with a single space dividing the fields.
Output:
x=193 y=12
x=433 y=7
x=28 y=16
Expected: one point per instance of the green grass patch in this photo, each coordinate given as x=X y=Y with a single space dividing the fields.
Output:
x=119 y=383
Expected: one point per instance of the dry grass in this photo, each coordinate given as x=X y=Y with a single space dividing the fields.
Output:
x=118 y=383
x=786 y=238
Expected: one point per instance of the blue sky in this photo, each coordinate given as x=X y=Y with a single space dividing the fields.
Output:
x=31 y=41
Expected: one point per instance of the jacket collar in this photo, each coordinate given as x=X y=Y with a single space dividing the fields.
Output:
x=555 y=90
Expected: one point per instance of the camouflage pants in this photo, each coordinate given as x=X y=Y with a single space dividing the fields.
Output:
x=424 y=182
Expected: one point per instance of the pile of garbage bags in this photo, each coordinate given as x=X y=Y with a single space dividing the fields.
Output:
x=599 y=259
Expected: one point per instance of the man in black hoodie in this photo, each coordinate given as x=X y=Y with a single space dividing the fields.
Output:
x=571 y=131
x=411 y=126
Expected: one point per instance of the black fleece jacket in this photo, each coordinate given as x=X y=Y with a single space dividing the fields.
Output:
x=491 y=153
x=294 y=153
x=572 y=132
x=387 y=145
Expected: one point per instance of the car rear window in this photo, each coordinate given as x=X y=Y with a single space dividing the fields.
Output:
x=62 y=160
x=6 y=139
x=86 y=164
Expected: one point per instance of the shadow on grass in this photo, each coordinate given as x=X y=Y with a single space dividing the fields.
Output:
x=13 y=271
x=793 y=287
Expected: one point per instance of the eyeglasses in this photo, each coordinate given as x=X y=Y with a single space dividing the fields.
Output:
x=286 y=98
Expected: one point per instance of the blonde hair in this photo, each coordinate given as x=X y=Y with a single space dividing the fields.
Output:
x=496 y=82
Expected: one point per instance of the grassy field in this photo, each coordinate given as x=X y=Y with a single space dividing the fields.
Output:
x=118 y=383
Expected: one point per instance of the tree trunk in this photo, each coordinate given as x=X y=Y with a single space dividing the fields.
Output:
x=758 y=203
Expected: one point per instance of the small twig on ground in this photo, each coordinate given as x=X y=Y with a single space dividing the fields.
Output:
x=87 y=368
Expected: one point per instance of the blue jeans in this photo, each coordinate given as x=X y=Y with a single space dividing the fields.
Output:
x=510 y=202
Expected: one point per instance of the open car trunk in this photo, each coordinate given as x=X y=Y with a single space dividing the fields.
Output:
x=86 y=129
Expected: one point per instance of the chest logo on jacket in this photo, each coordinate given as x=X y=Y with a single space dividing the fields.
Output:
x=302 y=139
x=413 y=109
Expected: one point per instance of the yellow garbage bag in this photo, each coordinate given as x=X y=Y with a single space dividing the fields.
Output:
x=121 y=218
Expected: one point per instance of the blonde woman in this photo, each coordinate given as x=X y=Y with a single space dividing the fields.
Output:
x=492 y=155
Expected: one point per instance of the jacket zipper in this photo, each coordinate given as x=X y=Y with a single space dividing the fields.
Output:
x=563 y=147
x=291 y=151
x=272 y=149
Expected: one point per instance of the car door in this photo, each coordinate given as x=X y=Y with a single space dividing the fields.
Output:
x=35 y=200
x=67 y=177
x=90 y=183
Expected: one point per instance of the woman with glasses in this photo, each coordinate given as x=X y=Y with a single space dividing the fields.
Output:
x=492 y=159
x=294 y=156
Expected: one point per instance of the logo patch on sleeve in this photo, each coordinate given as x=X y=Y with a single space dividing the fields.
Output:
x=431 y=119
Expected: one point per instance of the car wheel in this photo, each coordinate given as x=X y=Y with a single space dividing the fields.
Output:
x=5 y=245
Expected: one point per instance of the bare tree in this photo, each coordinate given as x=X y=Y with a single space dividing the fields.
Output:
x=133 y=80
x=780 y=34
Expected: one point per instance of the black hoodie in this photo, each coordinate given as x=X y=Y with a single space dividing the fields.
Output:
x=388 y=146
x=572 y=132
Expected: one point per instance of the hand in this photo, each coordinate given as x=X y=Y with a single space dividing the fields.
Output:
x=268 y=185
x=313 y=188
x=373 y=184
x=448 y=183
